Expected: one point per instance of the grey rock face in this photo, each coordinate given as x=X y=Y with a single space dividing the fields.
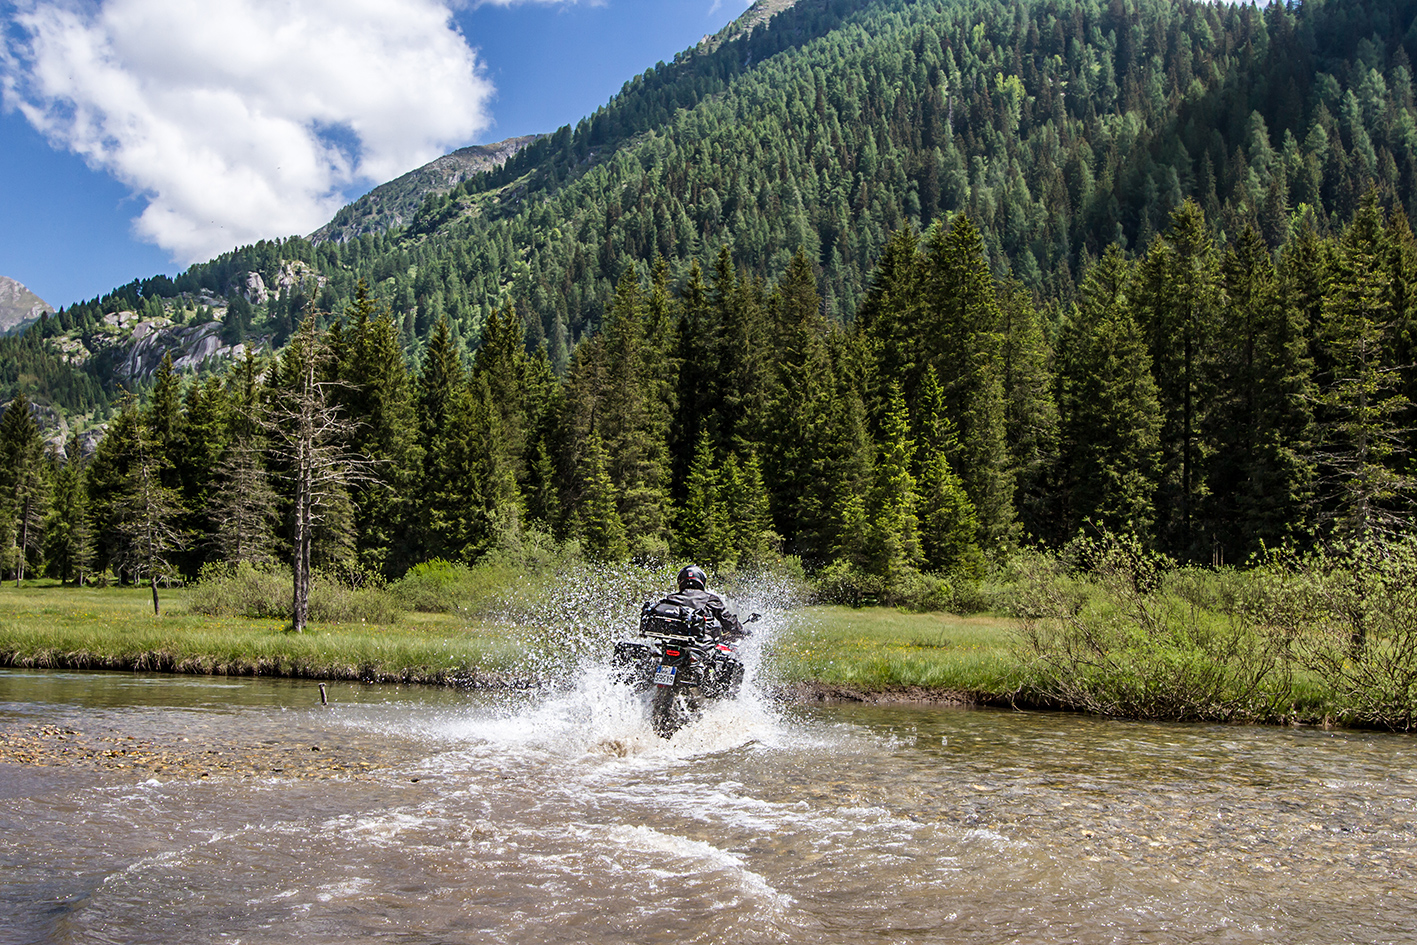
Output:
x=19 y=306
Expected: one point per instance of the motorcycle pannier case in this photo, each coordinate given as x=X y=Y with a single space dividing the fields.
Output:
x=665 y=617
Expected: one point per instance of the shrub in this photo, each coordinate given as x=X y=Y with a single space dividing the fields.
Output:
x=243 y=590
x=1348 y=614
x=1115 y=629
x=264 y=592
x=494 y=585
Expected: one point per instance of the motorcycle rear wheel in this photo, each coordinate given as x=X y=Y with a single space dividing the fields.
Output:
x=671 y=710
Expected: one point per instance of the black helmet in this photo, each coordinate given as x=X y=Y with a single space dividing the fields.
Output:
x=692 y=576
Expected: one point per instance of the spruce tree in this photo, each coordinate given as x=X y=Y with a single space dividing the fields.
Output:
x=701 y=533
x=376 y=396
x=147 y=513
x=1178 y=300
x=1365 y=488
x=748 y=513
x=440 y=389
x=949 y=529
x=599 y=528
x=24 y=485
x=1260 y=421
x=68 y=538
x=1109 y=408
x=962 y=316
x=894 y=542
x=633 y=420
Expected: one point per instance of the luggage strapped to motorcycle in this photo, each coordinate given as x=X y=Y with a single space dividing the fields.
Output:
x=666 y=619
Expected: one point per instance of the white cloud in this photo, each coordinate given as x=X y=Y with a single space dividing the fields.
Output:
x=238 y=120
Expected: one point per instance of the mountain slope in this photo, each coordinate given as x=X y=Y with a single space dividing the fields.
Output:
x=391 y=205
x=18 y=306
x=1059 y=126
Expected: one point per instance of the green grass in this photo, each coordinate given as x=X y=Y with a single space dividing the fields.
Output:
x=44 y=625
x=880 y=648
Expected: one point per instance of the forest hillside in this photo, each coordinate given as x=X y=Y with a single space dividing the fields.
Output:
x=888 y=289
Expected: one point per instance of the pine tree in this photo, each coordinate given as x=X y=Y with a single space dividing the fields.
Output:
x=1364 y=487
x=962 y=314
x=244 y=508
x=494 y=508
x=375 y=391
x=748 y=512
x=24 y=486
x=147 y=513
x=311 y=440
x=1109 y=408
x=633 y=421
x=164 y=421
x=894 y=541
x=1260 y=421
x=600 y=529
x=68 y=539
x=949 y=528
x=701 y=530
x=1030 y=414
x=1178 y=300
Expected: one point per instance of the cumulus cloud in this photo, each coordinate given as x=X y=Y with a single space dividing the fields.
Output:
x=243 y=119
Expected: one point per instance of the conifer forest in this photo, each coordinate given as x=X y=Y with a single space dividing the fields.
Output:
x=889 y=288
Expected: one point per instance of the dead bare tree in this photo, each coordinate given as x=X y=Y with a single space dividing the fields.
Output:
x=310 y=436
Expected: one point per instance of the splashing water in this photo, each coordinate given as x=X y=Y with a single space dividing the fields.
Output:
x=582 y=711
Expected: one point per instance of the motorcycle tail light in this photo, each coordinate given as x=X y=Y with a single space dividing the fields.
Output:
x=671 y=652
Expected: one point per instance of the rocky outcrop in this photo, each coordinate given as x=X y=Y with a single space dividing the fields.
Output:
x=189 y=345
x=292 y=274
x=135 y=347
x=18 y=306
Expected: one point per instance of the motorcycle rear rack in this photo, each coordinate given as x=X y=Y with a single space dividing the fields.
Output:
x=676 y=637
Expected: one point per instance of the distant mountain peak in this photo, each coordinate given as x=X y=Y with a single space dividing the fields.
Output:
x=19 y=306
x=393 y=204
x=756 y=15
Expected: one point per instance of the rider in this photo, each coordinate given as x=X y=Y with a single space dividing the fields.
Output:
x=694 y=594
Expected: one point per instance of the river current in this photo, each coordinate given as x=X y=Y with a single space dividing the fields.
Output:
x=192 y=810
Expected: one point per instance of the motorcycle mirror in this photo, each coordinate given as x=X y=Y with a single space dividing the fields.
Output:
x=754 y=618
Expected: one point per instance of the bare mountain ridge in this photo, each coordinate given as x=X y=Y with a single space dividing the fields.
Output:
x=19 y=306
x=392 y=204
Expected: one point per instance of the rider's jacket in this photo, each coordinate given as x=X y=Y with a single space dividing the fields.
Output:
x=709 y=602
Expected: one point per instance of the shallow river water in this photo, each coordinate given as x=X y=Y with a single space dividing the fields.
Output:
x=167 y=810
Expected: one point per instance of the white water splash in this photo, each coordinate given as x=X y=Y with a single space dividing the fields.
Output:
x=581 y=713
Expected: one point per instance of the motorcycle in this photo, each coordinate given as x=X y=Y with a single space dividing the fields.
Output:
x=685 y=662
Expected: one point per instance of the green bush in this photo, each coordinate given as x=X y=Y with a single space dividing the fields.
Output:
x=266 y=592
x=244 y=590
x=1348 y=615
x=842 y=582
x=495 y=584
x=1114 y=629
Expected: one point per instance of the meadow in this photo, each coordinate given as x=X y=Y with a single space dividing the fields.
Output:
x=1106 y=627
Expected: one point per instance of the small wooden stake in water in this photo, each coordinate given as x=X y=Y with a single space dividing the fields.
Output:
x=323 y=699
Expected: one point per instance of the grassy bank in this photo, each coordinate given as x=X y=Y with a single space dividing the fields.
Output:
x=881 y=650
x=46 y=626
x=1105 y=627
x=874 y=649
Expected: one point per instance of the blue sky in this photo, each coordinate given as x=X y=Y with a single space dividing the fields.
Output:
x=200 y=131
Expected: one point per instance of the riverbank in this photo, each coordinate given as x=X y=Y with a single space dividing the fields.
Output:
x=1189 y=663
x=820 y=654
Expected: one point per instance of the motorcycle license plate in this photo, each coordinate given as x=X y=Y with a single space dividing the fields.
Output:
x=665 y=676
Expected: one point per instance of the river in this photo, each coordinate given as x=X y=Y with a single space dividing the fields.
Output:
x=193 y=810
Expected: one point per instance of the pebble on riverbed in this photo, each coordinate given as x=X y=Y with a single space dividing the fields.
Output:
x=50 y=745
